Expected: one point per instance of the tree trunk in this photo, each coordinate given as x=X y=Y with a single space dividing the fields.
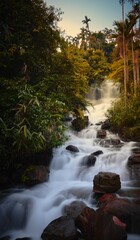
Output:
x=124 y=56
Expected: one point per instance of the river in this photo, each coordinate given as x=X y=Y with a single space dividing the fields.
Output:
x=26 y=212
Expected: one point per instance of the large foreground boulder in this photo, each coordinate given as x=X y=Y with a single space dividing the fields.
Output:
x=62 y=228
x=127 y=210
x=97 y=225
x=106 y=182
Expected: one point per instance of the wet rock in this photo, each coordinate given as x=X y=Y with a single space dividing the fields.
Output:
x=134 y=164
x=127 y=210
x=97 y=153
x=99 y=123
x=134 y=159
x=72 y=148
x=106 y=182
x=89 y=160
x=74 y=209
x=80 y=123
x=105 y=198
x=35 y=175
x=99 y=225
x=85 y=221
x=25 y=238
x=101 y=134
x=106 y=125
x=111 y=143
x=5 y=238
x=61 y=228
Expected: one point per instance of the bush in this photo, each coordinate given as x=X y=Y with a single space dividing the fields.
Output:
x=29 y=126
x=125 y=119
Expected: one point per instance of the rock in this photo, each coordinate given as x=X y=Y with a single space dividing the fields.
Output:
x=134 y=159
x=35 y=175
x=134 y=164
x=97 y=153
x=106 y=125
x=89 y=160
x=99 y=225
x=74 y=209
x=85 y=222
x=101 y=134
x=127 y=210
x=111 y=143
x=106 y=182
x=5 y=238
x=61 y=228
x=99 y=123
x=80 y=123
x=105 y=198
x=25 y=238
x=72 y=148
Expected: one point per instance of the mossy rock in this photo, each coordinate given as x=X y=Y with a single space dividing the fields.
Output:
x=80 y=123
x=35 y=174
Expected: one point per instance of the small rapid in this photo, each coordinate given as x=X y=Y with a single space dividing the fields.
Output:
x=26 y=212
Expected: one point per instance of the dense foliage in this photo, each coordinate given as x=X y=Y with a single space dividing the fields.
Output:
x=43 y=77
x=125 y=69
x=125 y=120
x=41 y=80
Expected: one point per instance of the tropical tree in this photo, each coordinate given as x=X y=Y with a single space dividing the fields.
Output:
x=86 y=22
x=135 y=52
x=125 y=30
x=99 y=67
x=42 y=78
x=124 y=51
x=86 y=34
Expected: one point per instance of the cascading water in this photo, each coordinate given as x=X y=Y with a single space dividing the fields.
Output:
x=25 y=213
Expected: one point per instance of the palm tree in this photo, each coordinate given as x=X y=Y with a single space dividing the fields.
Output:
x=86 y=30
x=124 y=35
x=135 y=53
x=85 y=21
x=124 y=52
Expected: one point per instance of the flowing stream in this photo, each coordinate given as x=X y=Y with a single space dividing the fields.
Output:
x=26 y=212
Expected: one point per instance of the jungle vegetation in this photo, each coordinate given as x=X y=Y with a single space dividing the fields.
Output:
x=44 y=76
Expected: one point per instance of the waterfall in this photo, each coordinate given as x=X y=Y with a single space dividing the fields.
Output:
x=26 y=212
x=106 y=90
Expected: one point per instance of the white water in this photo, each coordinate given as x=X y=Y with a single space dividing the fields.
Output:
x=69 y=180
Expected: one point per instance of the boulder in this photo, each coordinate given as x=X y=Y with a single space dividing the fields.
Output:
x=35 y=175
x=72 y=148
x=97 y=153
x=106 y=182
x=111 y=143
x=101 y=134
x=99 y=225
x=127 y=210
x=61 y=228
x=134 y=159
x=89 y=160
x=74 y=209
x=106 y=125
x=134 y=164
x=80 y=123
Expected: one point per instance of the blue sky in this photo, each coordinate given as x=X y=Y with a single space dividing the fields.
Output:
x=101 y=12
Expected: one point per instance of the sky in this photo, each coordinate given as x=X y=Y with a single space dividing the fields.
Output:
x=102 y=13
